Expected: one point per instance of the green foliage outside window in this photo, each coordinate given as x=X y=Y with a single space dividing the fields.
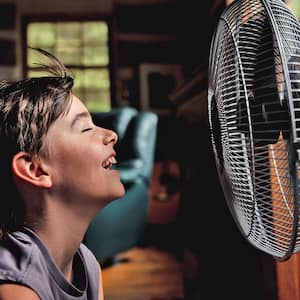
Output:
x=83 y=48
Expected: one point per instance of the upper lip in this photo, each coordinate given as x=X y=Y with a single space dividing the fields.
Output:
x=110 y=159
x=113 y=154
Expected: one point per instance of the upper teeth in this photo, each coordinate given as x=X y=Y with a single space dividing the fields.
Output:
x=109 y=162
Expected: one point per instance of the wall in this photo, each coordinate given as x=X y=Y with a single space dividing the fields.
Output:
x=31 y=7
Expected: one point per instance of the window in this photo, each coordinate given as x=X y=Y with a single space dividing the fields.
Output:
x=294 y=6
x=83 y=48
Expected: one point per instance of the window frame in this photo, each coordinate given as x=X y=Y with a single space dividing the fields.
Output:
x=27 y=19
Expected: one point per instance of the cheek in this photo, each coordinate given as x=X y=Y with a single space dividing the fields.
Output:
x=75 y=159
x=60 y=156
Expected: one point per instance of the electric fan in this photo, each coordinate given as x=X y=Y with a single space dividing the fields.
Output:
x=254 y=118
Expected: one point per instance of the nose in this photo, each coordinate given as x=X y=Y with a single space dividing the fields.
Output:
x=110 y=137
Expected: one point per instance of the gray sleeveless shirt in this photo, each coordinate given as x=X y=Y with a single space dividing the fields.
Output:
x=25 y=260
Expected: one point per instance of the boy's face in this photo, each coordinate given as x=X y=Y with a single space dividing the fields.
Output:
x=77 y=154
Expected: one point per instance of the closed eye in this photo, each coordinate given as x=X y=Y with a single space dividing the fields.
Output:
x=87 y=129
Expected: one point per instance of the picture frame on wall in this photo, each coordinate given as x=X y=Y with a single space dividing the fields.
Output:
x=156 y=82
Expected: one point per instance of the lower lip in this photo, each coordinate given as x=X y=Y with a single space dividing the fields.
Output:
x=113 y=171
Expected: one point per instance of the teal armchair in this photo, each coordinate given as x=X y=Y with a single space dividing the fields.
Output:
x=120 y=225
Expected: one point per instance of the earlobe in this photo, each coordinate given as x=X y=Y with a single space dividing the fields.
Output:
x=27 y=167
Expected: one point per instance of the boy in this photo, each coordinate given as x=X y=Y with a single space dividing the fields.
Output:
x=56 y=176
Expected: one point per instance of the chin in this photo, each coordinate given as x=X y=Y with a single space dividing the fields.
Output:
x=121 y=191
x=118 y=193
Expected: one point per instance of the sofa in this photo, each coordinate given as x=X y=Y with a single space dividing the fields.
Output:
x=120 y=225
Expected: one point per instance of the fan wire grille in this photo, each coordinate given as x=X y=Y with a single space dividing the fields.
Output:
x=255 y=81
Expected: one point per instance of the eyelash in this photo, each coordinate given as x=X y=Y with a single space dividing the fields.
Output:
x=87 y=129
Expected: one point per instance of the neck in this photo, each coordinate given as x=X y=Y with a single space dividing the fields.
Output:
x=62 y=231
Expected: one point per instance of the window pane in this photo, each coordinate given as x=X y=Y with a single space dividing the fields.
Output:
x=97 y=100
x=68 y=34
x=91 y=78
x=80 y=46
x=41 y=35
x=95 y=33
x=92 y=87
x=69 y=55
x=78 y=75
x=97 y=78
x=295 y=7
x=95 y=56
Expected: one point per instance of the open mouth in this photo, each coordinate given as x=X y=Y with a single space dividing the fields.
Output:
x=107 y=164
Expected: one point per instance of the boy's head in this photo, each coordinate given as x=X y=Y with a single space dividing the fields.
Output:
x=27 y=110
x=52 y=156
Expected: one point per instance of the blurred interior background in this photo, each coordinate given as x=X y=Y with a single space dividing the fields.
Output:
x=152 y=55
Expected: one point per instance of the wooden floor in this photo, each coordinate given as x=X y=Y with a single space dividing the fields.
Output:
x=144 y=273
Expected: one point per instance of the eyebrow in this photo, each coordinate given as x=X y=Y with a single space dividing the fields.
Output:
x=80 y=116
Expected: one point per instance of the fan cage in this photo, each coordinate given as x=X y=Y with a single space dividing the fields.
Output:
x=254 y=115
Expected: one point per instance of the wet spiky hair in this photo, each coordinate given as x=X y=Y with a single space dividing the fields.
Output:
x=28 y=107
x=54 y=67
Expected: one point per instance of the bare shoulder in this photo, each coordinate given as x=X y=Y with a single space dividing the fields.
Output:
x=10 y=291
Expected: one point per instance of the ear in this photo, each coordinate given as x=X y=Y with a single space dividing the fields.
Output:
x=28 y=168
